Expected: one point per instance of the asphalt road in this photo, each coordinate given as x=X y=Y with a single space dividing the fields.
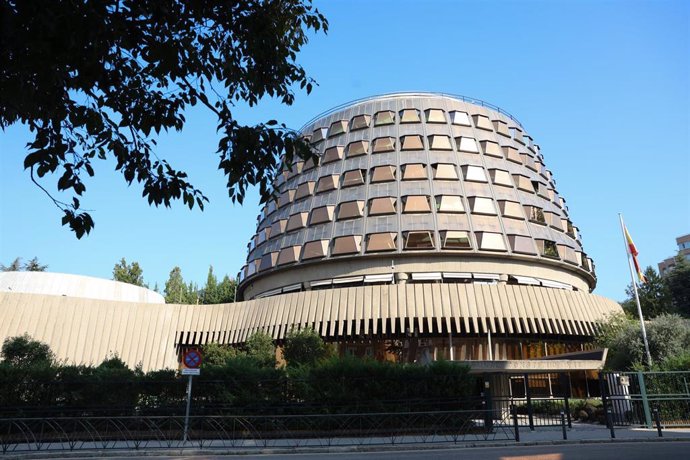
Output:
x=604 y=451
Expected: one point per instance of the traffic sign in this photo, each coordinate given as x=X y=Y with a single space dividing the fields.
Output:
x=192 y=359
x=188 y=371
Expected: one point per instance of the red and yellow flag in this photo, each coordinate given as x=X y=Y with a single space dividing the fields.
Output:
x=632 y=250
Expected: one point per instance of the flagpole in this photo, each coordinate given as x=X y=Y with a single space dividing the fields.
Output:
x=637 y=297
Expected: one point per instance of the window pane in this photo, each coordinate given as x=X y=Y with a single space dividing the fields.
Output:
x=383 y=144
x=449 y=204
x=491 y=241
x=314 y=249
x=381 y=206
x=460 y=118
x=360 y=122
x=474 y=173
x=414 y=171
x=347 y=244
x=297 y=221
x=386 y=117
x=467 y=144
x=327 y=183
x=409 y=116
x=435 y=116
x=419 y=240
x=481 y=205
x=337 y=127
x=289 y=255
x=351 y=210
x=413 y=142
x=445 y=171
x=321 y=215
x=377 y=242
x=416 y=203
x=439 y=142
x=357 y=148
x=456 y=240
x=352 y=178
x=304 y=190
x=521 y=244
x=383 y=174
x=333 y=154
x=482 y=122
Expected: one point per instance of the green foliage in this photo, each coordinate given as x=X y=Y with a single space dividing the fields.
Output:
x=32 y=265
x=352 y=384
x=678 y=282
x=226 y=290
x=23 y=351
x=235 y=383
x=129 y=273
x=94 y=81
x=210 y=291
x=668 y=336
x=260 y=347
x=655 y=298
x=303 y=347
x=215 y=354
x=177 y=291
x=678 y=362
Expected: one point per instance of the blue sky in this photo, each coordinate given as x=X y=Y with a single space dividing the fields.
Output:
x=602 y=86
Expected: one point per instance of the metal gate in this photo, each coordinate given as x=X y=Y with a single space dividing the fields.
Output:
x=633 y=397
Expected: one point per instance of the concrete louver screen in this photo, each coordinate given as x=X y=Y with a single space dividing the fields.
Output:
x=150 y=334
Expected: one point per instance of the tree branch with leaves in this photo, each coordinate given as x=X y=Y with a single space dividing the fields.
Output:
x=99 y=80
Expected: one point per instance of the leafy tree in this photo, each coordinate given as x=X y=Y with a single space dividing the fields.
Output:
x=175 y=288
x=304 y=347
x=23 y=351
x=260 y=347
x=129 y=273
x=215 y=354
x=32 y=265
x=95 y=80
x=668 y=336
x=15 y=266
x=226 y=290
x=678 y=283
x=655 y=298
x=210 y=292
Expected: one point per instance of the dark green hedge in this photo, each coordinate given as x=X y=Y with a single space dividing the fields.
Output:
x=242 y=386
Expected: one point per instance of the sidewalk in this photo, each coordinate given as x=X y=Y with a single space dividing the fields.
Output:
x=585 y=432
x=580 y=433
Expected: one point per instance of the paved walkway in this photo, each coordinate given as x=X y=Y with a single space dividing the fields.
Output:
x=585 y=432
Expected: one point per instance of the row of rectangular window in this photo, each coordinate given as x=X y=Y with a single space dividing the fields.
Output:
x=418 y=240
x=410 y=172
x=414 y=204
x=405 y=116
x=441 y=142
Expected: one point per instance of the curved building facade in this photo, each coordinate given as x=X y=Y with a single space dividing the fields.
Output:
x=410 y=184
x=418 y=189
x=428 y=228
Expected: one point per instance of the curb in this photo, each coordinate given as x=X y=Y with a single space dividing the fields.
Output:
x=192 y=452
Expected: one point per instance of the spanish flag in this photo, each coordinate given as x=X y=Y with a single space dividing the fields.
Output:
x=632 y=250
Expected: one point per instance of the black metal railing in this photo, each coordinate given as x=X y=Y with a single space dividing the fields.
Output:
x=72 y=433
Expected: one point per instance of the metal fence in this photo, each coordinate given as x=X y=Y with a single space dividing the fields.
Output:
x=632 y=397
x=71 y=433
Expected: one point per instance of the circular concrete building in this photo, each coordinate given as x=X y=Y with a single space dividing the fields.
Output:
x=430 y=228
x=429 y=191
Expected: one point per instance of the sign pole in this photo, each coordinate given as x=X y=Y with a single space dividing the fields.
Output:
x=189 y=405
x=192 y=363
